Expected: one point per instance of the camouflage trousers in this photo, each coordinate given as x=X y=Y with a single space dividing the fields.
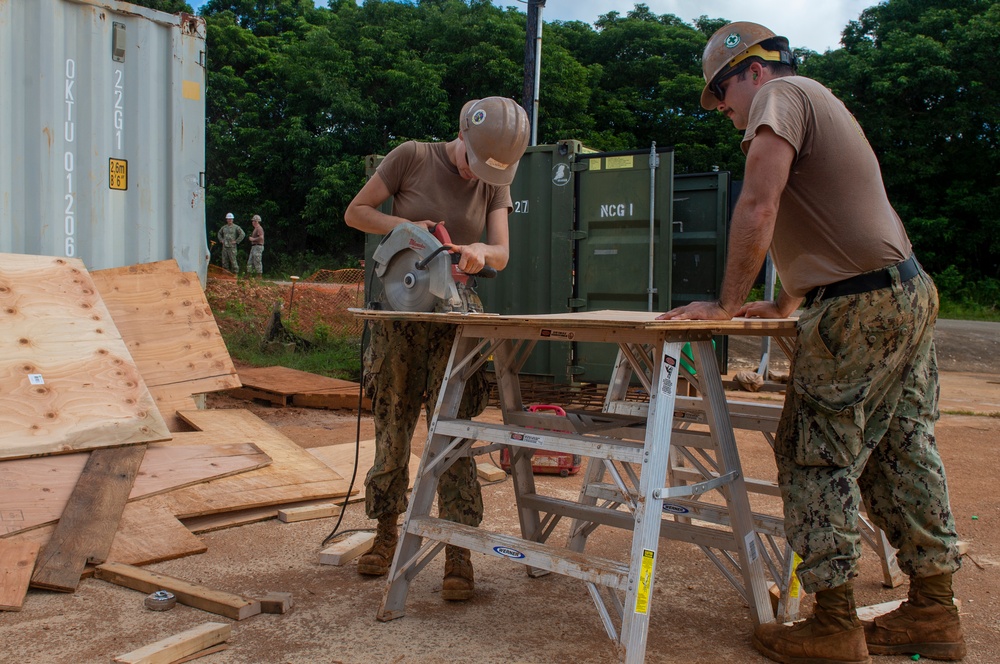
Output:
x=404 y=365
x=858 y=425
x=255 y=264
x=229 y=259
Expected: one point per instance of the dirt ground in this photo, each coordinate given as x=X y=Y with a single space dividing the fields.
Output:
x=696 y=615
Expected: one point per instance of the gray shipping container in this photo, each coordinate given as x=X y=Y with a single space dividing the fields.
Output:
x=102 y=133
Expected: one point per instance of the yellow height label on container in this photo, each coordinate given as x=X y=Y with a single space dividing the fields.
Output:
x=118 y=174
x=645 y=582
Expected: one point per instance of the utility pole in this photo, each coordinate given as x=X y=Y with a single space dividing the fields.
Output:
x=533 y=64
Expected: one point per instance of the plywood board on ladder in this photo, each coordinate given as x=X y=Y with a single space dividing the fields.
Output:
x=67 y=380
x=168 y=326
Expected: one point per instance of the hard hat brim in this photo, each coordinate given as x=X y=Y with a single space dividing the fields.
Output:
x=489 y=174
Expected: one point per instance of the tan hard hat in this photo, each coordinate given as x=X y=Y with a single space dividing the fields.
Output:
x=496 y=132
x=724 y=49
x=256 y=217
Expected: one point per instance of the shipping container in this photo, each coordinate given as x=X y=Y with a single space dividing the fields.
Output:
x=102 y=133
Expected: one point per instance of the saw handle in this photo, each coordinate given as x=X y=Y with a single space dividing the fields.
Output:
x=441 y=233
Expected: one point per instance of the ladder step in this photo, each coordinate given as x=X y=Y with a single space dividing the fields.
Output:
x=561 y=560
x=627 y=451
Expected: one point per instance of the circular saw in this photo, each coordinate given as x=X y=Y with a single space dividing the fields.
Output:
x=419 y=274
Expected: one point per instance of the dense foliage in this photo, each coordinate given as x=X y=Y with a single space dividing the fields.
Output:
x=298 y=95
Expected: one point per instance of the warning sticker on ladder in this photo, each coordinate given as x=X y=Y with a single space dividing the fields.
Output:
x=751 y=542
x=645 y=582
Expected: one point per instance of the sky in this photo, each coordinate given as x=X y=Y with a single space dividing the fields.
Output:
x=812 y=24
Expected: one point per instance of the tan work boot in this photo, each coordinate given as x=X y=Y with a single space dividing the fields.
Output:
x=926 y=624
x=832 y=635
x=378 y=559
x=459 y=582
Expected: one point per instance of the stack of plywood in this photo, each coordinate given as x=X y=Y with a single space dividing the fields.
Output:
x=102 y=448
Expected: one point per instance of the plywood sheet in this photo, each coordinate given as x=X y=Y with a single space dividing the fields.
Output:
x=341 y=459
x=67 y=380
x=34 y=492
x=608 y=319
x=284 y=386
x=147 y=533
x=168 y=326
x=294 y=475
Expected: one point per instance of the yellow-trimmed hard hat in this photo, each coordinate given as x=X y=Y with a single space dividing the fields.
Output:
x=731 y=45
x=496 y=133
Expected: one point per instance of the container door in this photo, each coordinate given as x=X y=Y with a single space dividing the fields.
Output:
x=624 y=208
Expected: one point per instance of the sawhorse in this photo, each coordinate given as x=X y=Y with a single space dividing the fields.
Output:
x=640 y=446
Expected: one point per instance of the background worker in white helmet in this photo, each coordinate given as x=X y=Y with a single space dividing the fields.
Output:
x=230 y=236
x=858 y=421
x=464 y=184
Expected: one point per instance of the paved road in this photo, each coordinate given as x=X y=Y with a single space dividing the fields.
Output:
x=968 y=345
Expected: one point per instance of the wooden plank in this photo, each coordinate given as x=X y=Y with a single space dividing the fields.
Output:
x=88 y=524
x=170 y=649
x=187 y=593
x=67 y=381
x=202 y=653
x=321 y=511
x=347 y=549
x=489 y=472
x=251 y=393
x=17 y=560
x=34 y=492
x=294 y=475
x=341 y=459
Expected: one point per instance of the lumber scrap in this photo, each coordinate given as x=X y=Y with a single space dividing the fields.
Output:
x=219 y=602
x=17 y=560
x=67 y=380
x=178 y=646
x=489 y=472
x=294 y=475
x=274 y=602
x=321 y=511
x=347 y=549
x=166 y=322
x=89 y=522
x=34 y=492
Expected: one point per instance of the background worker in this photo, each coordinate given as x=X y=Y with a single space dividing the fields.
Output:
x=255 y=264
x=858 y=420
x=464 y=184
x=230 y=235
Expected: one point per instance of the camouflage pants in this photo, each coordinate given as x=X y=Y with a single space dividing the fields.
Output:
x=405 y=363
x=229 y=259
x=254 y=263
x=858 y=425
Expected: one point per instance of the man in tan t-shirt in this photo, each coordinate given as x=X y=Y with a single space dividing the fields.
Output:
x=464 y=184
x=858 y=421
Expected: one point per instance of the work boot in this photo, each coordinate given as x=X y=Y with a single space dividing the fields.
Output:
x=832 y=635
x=926 y=624
x=459 y=583
x=378 y=559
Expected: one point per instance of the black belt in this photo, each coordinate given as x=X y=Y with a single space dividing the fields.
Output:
x=863 y=283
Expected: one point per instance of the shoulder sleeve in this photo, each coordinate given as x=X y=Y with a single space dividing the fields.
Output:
x=784 y=108
x=499 y=199
x=396 y=164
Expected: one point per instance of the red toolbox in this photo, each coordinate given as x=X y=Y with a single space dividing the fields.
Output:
x=545 y=462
